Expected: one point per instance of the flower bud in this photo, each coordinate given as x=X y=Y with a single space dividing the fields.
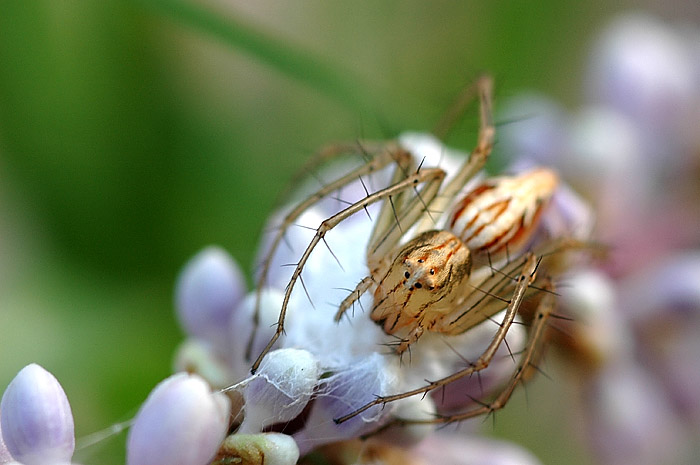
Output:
x=37 y=423
x=280 y=389
x=181 y=423
x=264 y=448
x=194 y=356
x=537 y=129
x=643 y=68
x=241 y=330
x=208 y=290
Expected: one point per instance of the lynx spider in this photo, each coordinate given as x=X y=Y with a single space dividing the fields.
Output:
x=432 y=286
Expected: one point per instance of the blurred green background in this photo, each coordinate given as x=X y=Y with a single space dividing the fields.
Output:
x=134 y=133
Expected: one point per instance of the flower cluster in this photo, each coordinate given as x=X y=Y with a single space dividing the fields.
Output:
x=634 y=339
x=634 y=152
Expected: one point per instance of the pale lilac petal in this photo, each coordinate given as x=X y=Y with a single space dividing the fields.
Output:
x=644 y=69
x=413 y=408
x=37 y=423
x=208 y=290
x=181 y=423
x=663 y=305
x=465 y=393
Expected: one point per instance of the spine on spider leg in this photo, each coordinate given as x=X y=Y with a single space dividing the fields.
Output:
x=477 y=158
x=354 y=296
x=430 y=177
x=384 y=158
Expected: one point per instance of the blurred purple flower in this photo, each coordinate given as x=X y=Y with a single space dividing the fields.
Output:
x=36 y=419
x=208 y=290
x=637 y=318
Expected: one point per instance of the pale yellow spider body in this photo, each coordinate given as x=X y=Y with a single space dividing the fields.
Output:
x=438 y=261
x=427 y=283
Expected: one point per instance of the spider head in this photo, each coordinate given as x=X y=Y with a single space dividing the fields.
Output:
x=434 y=261
x=423 y=281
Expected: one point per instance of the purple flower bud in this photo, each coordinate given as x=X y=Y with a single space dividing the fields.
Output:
x=208 y=290
x=343 y=392
x=537 y=129
x=181 y=423
x=280 y=389
x=37 y=423
x=642 y=68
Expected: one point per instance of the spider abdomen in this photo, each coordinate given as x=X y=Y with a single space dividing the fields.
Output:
x=500 y=214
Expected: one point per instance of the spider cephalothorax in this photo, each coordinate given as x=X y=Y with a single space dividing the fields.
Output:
x=423 y=284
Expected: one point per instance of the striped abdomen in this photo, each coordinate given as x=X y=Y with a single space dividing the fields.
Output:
x=500 y=214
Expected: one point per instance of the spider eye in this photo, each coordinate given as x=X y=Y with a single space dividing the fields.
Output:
x=420 y=260
x=418 y=285
x=432 y=271
x=407 y=275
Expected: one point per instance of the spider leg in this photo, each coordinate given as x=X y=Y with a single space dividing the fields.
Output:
x=387 y=154
x=354 y=296
x=430 y=179
x=328 y=153
x=483 y=87
x=539 y=325
x=485 y=302
x=524 y=280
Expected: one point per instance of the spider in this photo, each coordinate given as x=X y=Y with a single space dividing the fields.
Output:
x=437 y=261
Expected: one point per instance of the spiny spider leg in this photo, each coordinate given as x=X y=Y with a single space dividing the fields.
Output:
x=387 y=154
x=388 y=229
x=525 y=279
x=478 y=156
x=327 y=153
x=539 y=325
x=430 y=179
x=481 y=304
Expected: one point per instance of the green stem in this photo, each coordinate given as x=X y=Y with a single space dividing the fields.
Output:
x=333 y=81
